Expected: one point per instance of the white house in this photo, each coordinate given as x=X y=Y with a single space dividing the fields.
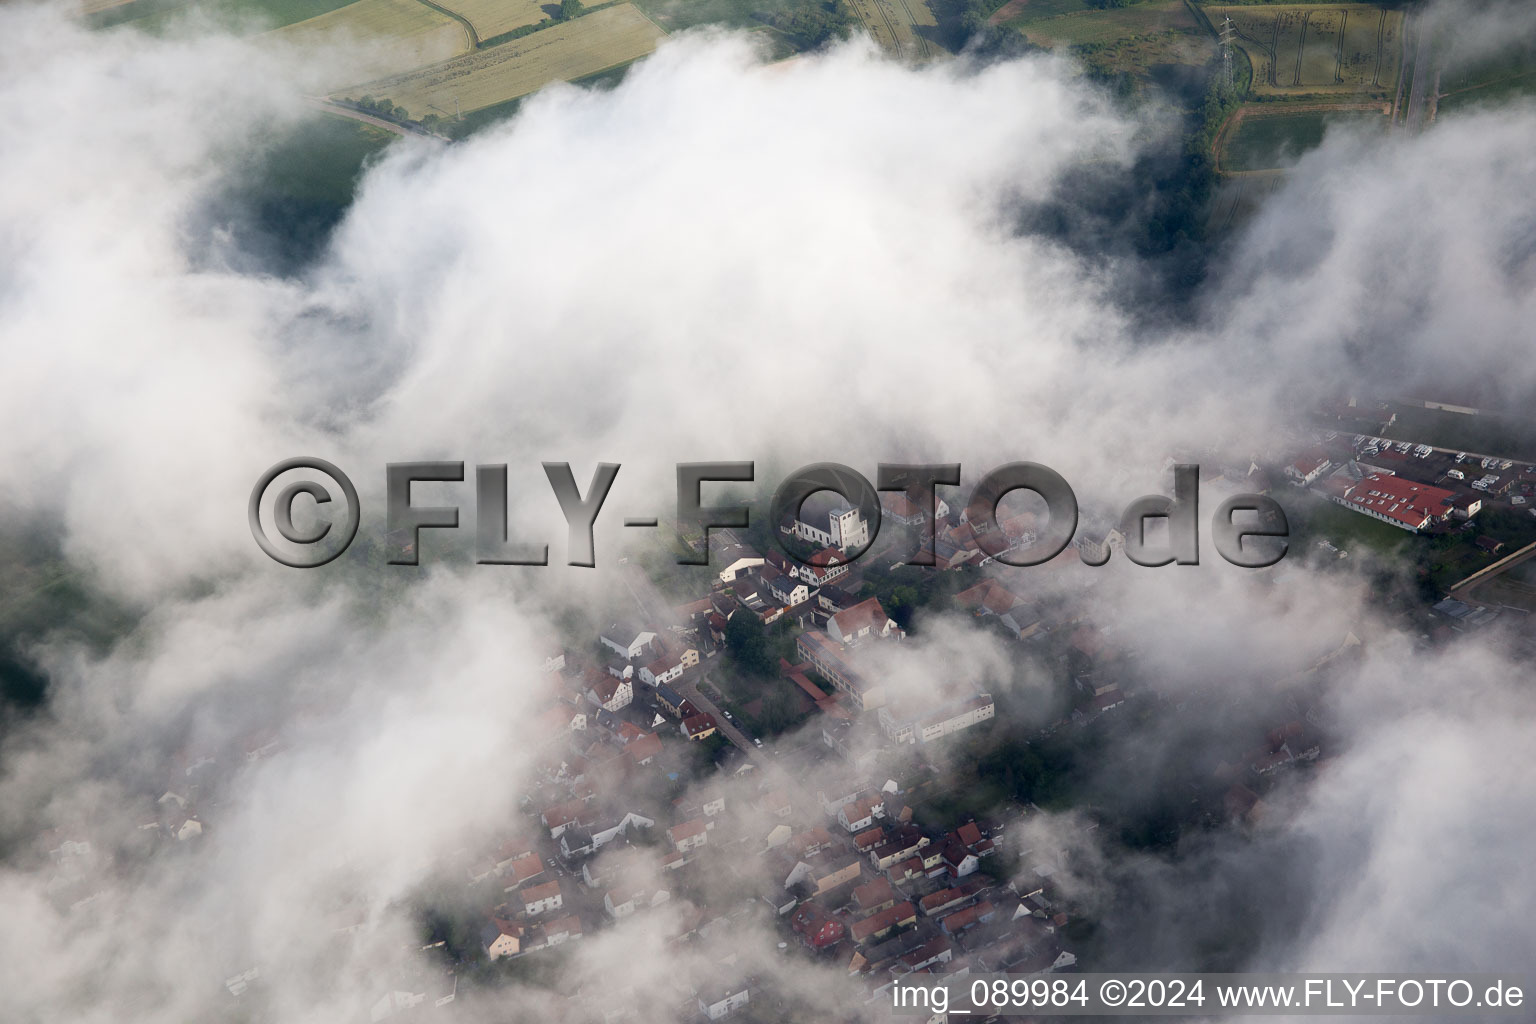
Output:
x=721 y=1000
x=627 y=640
x=605 y=832
x=787 y=590
x=669 y=667
x=1308 y=467
x=689 y=835
x=610 y=693
x=860 y=814
x=745 y=559
x=620 y=903
x=864 y=620
x=540 y=899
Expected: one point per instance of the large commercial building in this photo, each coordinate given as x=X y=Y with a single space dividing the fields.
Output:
x=1393 y=499
x=911 y=721
x=831 y=661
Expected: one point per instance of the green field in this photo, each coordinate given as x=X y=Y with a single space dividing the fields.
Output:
x=291 y=195
x=249 y=15
x=1499 y=79
x=1500 y=90
x=1488 y=434
x=1276 y=140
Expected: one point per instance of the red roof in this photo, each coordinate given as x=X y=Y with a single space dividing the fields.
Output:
x=883 y=921
x=869 y=837
x=644 y=747
x=1398 y=499
x=942 y=898
x=872 y=894
x=686 y=830
x=865 y=614
x=525 y=868
x=696 y=724
x=1310 y=462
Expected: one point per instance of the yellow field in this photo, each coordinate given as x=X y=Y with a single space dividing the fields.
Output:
x=903 y=28
x=493 y=17
x=1317 y=48
x=373 y=38
x=574 y=49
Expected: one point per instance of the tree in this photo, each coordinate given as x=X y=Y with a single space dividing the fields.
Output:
x=745 y=638
x=570 y=9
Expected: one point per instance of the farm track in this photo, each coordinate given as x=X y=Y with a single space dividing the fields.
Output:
x=404 y=131
x=1402 y=74
x=1381 y=42
x=1338 y=53
x=922 y=43
x=1301 y=47
x=859 y=8
x=881 y=17
x=469 y=30
x=1274 y=54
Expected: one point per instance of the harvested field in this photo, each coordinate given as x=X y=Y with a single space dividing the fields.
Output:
x=378 y=38
x=1298 y=49
x=569 y=50
x=493 y=17
x=903 y=28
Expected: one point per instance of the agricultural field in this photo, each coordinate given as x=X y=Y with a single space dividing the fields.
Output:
x=379 y=38
x=1239 y=197
x=1469 y=84
x=784 y=27
x=1298 y=49
x=483 y=78
x=1265 y=141
x=491 y=18
x=97 y=6
x=1157 y=40
x=244 y=17
x=903 y=28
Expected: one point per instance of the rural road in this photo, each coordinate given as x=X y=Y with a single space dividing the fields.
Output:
x=1463 y=590
x=653 y=612
x=1421 y=77
x=404 y=131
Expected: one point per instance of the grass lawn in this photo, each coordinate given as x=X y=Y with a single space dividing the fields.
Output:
x=1313 y=518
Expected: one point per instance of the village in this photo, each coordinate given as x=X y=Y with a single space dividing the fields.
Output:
x=668 y=797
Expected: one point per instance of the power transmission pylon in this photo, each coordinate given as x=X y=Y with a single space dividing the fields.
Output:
x=1227 y=32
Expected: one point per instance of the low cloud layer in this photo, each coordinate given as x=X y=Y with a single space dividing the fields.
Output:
x=714 y=260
